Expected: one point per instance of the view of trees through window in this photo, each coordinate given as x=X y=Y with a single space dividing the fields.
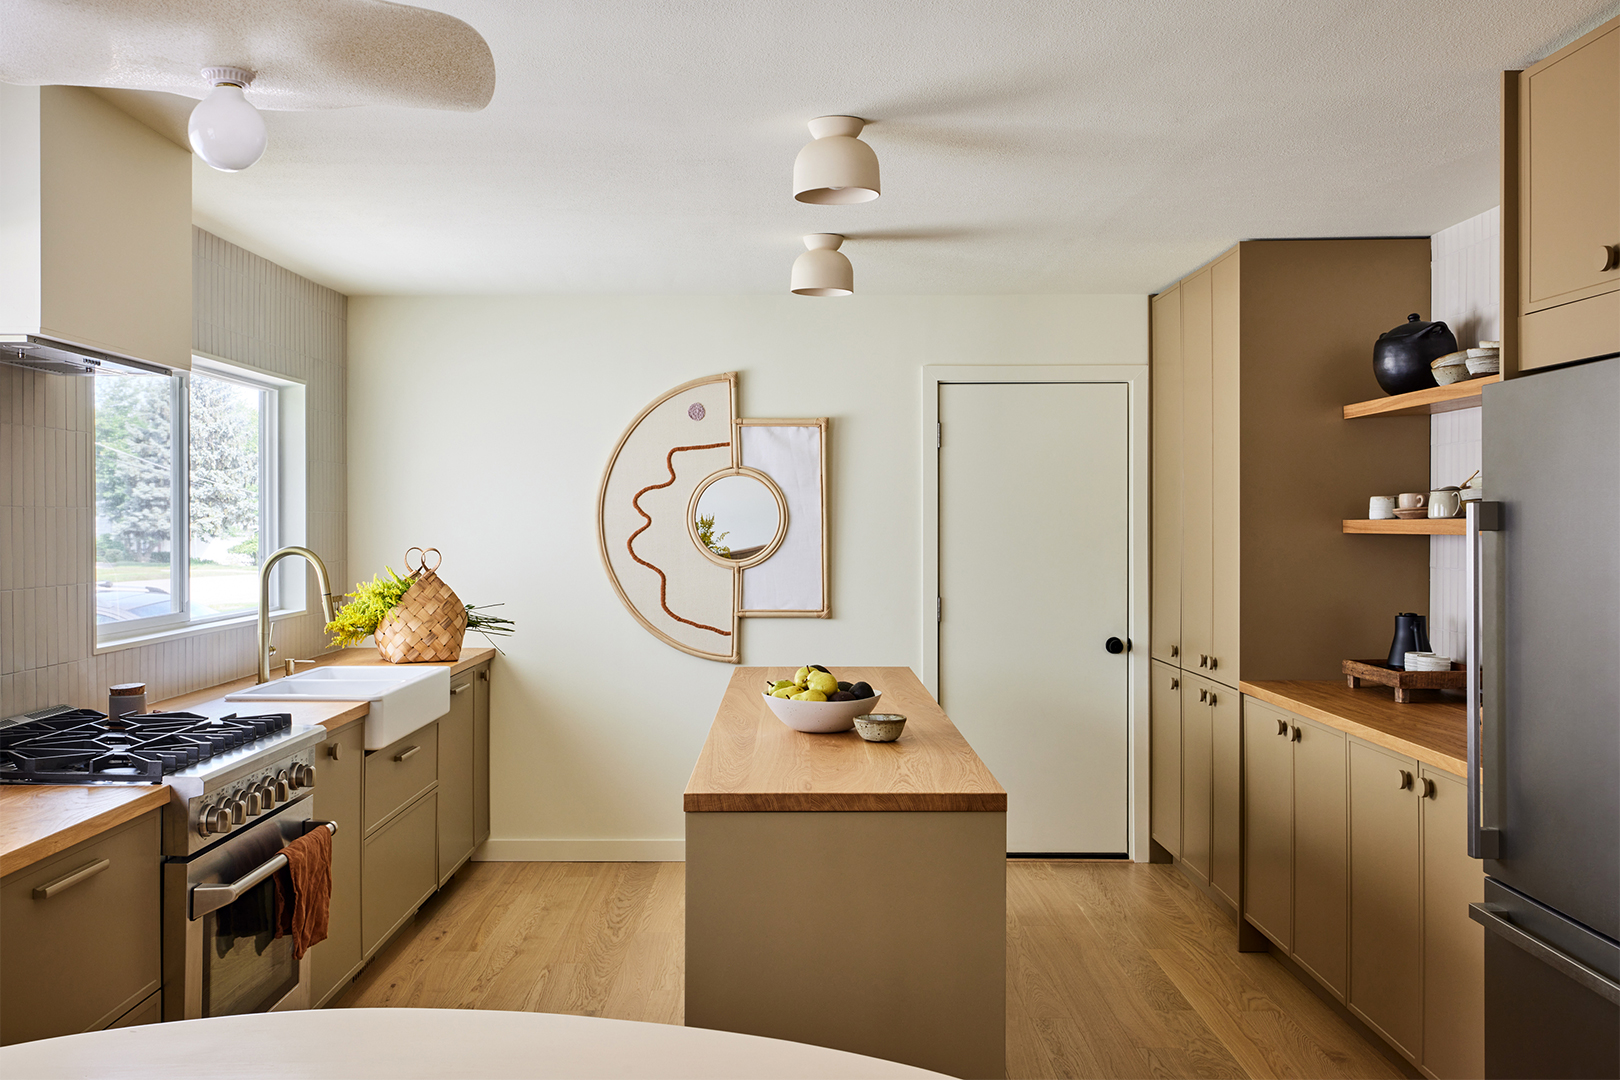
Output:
x=136 y=508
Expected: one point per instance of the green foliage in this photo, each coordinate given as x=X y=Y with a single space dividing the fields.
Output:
x=248 y=547
x=705 y=526
x=366 y=607
x=224 y=443
x=134 y=458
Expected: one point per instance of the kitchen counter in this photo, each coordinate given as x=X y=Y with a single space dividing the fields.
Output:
x=1434 y=732
x=754 y=762
x=37 y=820
x=823 y=873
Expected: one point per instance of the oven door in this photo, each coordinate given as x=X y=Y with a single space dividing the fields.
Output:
x=221 y=955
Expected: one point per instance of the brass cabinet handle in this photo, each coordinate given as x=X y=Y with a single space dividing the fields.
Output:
x=1214 y=662
x=405 y=755
x=67 y=881
x=332 y=751
x=462 y=689
x=1298 y=732
x=1608 y=257
x=1175 y=684
x=1282 y=727
x=1175 y=651
x=1425 y=788
x=1203 y=695
x=1406 y=779
x=1212 y=699
x=1203 y=660
x=483 y=676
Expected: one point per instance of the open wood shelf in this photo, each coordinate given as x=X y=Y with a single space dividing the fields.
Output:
x=1415 y=527
x=1437 y=399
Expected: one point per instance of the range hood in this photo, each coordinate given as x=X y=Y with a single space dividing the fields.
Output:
x=63 y=358
x=95 y=221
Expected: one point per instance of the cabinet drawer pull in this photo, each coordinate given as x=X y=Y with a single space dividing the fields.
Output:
x=1405 y=778
x=1175 y=651
x=1282 y=727
x=1203 y=660
x=1608 y=257
x=1425 y=788
x=1175 y=684
x=1214 y=662
x=1212 y=700
x=462 y=689
x=1203 y=695
x=405 y=755
x=66 y=882
x=332 y=751
x=1298 y=733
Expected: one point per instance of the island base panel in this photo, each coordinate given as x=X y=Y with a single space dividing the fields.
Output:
x=877 y=933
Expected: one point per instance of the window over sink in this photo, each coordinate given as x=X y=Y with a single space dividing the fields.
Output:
x=199 y=476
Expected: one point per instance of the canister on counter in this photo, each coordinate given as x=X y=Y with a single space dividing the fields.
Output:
x=124 y=698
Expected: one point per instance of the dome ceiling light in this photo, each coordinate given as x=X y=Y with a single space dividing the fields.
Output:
x=225 y=130
x=836 y=169
x=823 y=270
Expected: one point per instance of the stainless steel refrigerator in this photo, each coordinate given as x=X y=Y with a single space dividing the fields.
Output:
x=1544 y=559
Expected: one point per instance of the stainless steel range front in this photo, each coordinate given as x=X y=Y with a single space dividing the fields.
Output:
x=241 y=787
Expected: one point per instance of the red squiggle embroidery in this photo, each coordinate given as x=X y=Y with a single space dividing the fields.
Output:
x=630 y=544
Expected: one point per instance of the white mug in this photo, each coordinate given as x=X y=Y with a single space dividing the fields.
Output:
x=1381 y=507
x=1444 y=503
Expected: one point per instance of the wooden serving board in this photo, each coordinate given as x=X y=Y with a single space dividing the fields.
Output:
x=1379 y=673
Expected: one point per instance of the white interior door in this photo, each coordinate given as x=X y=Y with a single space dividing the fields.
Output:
x=1033 y=563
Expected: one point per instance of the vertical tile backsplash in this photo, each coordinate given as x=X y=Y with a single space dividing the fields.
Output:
x=1466 y=288
x=244 y=308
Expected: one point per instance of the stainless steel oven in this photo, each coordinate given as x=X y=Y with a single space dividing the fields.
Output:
x=219 y=923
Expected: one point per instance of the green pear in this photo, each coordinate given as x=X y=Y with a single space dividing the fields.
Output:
x=810 y=695
x=785 y=692
x=820 y=680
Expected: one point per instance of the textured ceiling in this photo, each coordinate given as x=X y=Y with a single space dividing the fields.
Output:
x=1027 y=146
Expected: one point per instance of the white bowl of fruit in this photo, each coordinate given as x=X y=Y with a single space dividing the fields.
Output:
x=816 y=701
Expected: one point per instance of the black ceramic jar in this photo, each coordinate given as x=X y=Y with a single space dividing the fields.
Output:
x=1401 y=356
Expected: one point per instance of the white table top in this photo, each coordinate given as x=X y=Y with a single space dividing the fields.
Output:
x=329 y=1044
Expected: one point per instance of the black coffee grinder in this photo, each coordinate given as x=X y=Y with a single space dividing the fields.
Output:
x=1411 y=635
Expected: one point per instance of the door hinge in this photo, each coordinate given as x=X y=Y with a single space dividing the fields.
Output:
x=939 y=436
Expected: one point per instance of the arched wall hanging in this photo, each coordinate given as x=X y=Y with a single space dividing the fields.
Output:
x=704 y=518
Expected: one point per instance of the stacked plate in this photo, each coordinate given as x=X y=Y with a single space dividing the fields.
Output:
x=1427 y=661
x=1450 y=368
x=1485 y=360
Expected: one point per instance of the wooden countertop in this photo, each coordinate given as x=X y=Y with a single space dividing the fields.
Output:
x=39 y=820
x=1434 y=731
x=754 y=762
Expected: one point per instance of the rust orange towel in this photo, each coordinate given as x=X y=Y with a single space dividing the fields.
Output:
x=304 y=890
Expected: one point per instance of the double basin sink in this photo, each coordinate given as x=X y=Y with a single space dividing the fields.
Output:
x=402 y=698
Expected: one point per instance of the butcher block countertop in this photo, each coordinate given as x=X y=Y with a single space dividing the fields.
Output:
x=39 y=820
x=754 y=762
x=1435 y=732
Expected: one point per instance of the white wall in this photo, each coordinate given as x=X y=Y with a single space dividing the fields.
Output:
x=1466 y=287
x=481 y=425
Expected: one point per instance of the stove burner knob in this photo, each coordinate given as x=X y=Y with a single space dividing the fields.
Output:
x=305 y=775
x=251 y=799
x=222 y=819
x=283 y=791
x=267 y=795
x=205 y=820
x=239 y=810
x=286 y=777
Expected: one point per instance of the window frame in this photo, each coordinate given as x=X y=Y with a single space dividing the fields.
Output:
x=282 y=508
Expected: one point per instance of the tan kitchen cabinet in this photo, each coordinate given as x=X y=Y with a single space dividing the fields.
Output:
x=1321 y=852
x=339 y=764
x=457 y=753
x=1386 y=904
x=1197 y=775
x=1296 y=862
x=1226 y=792
x=81 y=938
x=1268 y=843
x=1165 y=722
x=1453 y=944
x=399 y=869
x=1167 y=485
x=1197 y=471
x=481 y=755
x=1565 y=157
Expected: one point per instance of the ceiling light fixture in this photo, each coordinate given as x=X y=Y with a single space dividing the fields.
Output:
x=225 y=129
x=836 y=168
x=822 y=270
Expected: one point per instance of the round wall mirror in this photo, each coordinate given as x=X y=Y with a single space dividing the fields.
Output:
x=739 y=518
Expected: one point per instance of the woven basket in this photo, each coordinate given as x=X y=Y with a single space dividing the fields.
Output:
x=427 y=624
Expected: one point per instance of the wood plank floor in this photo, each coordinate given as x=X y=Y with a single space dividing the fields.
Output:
x=1113 y=969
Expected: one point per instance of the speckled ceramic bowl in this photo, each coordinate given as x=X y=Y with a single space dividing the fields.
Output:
x=880 y=727
x=820 y=717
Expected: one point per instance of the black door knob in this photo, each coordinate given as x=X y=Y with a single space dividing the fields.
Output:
x=1114 y=645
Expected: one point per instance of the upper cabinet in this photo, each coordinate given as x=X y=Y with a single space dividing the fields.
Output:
x=1253 y=359
x=1561 y=195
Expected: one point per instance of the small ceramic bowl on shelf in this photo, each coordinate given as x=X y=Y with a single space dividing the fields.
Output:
x=1484 y=362
x=1412 y=514
x=1450 y=368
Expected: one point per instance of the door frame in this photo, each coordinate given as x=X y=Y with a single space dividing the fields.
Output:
x=1135 y=379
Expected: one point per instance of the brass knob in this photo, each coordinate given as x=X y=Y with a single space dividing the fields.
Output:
x=1282 y=727
x=1212 y=700
x=1406 y=779
x=1214 y=662
x=1425 y=788
x=1297 y=731
x=287 y=776
x=1608 y=257
x=1175 y=684
x=1175 y=651
x=1203 y=695
x=255 y=806
x=1203 y=660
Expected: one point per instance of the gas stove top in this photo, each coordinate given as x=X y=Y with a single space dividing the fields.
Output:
x=82 y=746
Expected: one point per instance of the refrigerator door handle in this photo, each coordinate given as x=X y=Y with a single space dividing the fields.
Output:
x=1489 y=916
x=1483 y=843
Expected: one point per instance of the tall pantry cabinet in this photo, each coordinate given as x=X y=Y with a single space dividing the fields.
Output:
x=1254 y=470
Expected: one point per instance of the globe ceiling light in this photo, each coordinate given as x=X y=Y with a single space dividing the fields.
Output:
x=822 y=270
x=225 y=129
x=837 y=168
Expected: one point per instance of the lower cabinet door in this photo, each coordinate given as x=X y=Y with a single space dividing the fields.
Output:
x=456 y=755
x=1197 y=773
x=1226 y=793
x=1321 y=852
x=399 y=871
x=1166 y=732
x=1386 y=961
x=339 y=763
x=1453 y=944
x=1268 y=785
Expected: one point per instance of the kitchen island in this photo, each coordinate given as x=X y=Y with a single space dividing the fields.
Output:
x=844 y=893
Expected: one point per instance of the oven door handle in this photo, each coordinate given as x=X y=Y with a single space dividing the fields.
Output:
x=206 y=898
